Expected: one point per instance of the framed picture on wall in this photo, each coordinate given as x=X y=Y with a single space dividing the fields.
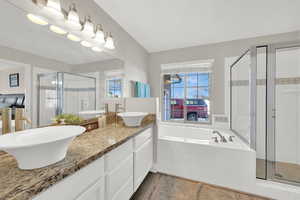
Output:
x=14 y=80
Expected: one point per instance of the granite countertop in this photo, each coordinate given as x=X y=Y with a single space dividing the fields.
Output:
x=16 y=184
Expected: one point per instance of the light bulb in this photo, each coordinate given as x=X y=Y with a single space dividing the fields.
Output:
x=58 y=30
x=109 y=43
x=97 y=49
x=53 y=7
x=88 y=28
x=99 y=37
x=73 y=37
x=73 y=20
x=86 y=44
x=37 y=19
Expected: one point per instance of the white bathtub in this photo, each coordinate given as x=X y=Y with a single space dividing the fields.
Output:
x=191 y=153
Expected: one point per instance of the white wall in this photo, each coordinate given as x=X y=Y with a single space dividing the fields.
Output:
x=218 y=52
x=134 y=56
x=4 y=80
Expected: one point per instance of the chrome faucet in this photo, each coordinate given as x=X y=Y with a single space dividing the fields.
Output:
x=117 y=110
x=222 y=138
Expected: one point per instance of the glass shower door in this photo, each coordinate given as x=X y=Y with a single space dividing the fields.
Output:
x=284 y=113
x=47 y=98
x=79 y=93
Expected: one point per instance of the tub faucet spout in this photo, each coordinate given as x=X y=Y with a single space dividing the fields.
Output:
x=222 y=138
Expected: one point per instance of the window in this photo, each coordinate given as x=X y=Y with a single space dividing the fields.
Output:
x=186 y=97
x=114 y=87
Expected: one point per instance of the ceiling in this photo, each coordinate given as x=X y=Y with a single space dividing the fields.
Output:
x=19 y=33
x=168 y=24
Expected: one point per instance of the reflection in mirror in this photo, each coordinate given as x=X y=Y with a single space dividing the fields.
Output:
x=50 y=72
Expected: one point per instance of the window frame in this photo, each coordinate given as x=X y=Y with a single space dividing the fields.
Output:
x=185 y=121
x=107 y=86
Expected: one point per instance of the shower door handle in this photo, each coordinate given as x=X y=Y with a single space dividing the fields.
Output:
x=274 y=113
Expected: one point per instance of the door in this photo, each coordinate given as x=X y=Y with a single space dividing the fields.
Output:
x=47 y=98
x=283 y=124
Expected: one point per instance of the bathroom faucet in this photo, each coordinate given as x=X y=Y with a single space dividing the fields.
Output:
x=106 y=108
x=6 y=120
x=222 y=138
x=20 y=119
x=117 y=110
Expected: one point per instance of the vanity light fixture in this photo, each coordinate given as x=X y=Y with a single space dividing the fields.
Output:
x=97 y=49
x=73 y=20
x=57 y=30
x=90 y=36
x=109 y=43
x=53 y=8
x=99 y=37
x=88 y=28
x=86 y=44
x=73 y=37
x=37 y=19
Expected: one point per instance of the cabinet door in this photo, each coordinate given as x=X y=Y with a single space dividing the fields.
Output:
x=118 y=177
x=126 y=191
x=95 y=192
x=143 y=160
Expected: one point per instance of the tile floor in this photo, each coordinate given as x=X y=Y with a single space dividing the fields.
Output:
x=164 y=187
x=283 y=170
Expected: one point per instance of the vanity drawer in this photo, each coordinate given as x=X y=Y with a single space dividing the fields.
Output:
x=141 y=138
x=95 y=192
x=116 y=156
x=71 y=187
x=126 y=191
x=118 y=177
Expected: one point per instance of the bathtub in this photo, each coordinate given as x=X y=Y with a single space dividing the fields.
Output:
x=190 y=152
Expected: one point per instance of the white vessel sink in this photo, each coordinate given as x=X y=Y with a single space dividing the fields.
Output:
x=132 y=119
x=40 y=147
x=89 y=114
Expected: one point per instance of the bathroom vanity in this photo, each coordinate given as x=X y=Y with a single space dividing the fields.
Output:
x=107 y=164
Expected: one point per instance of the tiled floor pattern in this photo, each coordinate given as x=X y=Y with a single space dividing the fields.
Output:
x=283 y=170
x=164 y=187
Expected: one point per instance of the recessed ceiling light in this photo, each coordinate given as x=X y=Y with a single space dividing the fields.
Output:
x=53 y=8
x=58 y=30
x=73 y=20
x=97 y=49
x=86 y=44
x=73 y=37
x=37 y=19
x=109 y=44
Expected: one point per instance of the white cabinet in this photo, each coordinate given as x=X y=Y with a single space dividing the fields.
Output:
x=95 y=192
x=141 y=138
x=125 y=192
x=143 y=161
x=115 y=176
x=119 y=171
x=71 y=187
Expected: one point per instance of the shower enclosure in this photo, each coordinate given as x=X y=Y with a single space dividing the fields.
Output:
x=64 y=93
x=265 y=108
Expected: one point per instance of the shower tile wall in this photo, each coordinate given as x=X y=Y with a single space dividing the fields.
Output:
x=287 y=138
x=79 y=94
